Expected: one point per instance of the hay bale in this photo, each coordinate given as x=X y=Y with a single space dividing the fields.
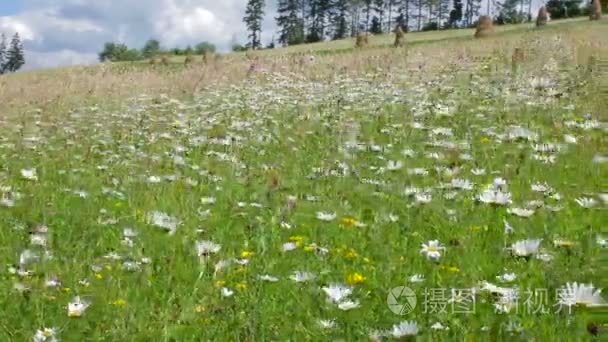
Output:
x=595 y=12
x=518 y=56
x=362 y=40
x=189 y=60
x=164 y=60
x=399 y=36
x=485 y=27
x=543 y=16
x=153 y=61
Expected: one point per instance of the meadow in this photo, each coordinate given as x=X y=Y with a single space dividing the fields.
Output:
x=306 y=199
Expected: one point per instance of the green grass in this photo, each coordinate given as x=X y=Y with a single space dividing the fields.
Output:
x=254 y=144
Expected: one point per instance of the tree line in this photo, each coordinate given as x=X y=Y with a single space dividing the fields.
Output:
x=309 y=21
x=119 y=52
x=12 y=56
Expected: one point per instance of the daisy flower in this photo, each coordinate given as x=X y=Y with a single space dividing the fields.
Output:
x=301 y=276
x=29 y=174
x=432 y=249
x=525 y=248
x=406 y=328
x=520 y=212
x=348 y=305
x=46 y=335
x=586 y=202
x=327 y=323
x=582 y=294
x=337 y=292
x=326 y=216
x=164 y=221
x=77 y=307
x=205 y=248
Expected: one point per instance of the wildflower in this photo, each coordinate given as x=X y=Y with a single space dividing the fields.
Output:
x=247 y=254
x=46 y=335
x=355 y=278
x=351 y=222
x=226 y=292
x=208 y=200
x=348 y=305
x=563 y=243
x=416 y=278
x=29 y=174
x=586 y=202
x=579 y=294
x=326 y=216
x=507 y=277
x=494 y=197
x=525 y=248
x=77 y=307
x=327 y=323
x=520 y=212
x=602 y=241
x=439 y=326
x=163 y=221
x=462 y=184
x=406 y=328
x=269 y=278
x=206 y=248
x=432 y=249
x=300 y=276
x=569 y=139
x=337 y=293
x=119 y=302
x=289 y=246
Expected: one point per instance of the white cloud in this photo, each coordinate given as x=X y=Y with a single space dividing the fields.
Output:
x=60 y=32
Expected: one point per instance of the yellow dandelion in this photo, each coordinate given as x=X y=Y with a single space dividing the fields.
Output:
x=119 y=302
x=355 y=278
x=246 y=254
x=349 y=221
x=351 y=254
x=484 y=140
x=66 y=289
x=241 y=286
x=98 y=276
x=220 y=283
x=199 y=309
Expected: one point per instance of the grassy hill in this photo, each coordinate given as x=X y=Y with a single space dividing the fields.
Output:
x=441 y=191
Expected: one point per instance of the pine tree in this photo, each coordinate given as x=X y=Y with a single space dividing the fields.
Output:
x=339 y=19
x=254 y=13
x=14 y=56
x=2 y=53
x=456 y=13
x=379 y=9
x=291 y=25
x=318 y=15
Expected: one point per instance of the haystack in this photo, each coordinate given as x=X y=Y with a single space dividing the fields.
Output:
x=595 y=12
x=189 y=59
x=164 y=60
x=485 y=27
x=399 y=36
x=543 y=16
x=362 y=40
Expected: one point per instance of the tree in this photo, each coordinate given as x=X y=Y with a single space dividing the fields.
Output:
x=2 y=53
x=118 y=52
x=254 y=13
x=564 y=8
x=14 y=56
x=339 y=19
x=319 y=13
x=151 y=48
x=290 y=24
x=376 y=27
x=509 y=13
x=204 y=47
x=455 y=13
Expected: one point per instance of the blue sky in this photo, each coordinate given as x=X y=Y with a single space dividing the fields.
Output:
x=8 y=7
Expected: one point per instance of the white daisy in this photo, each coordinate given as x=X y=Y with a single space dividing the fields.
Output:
x=507 y=277
x=520 y=212
x=394 y=165
x=406 y=328
x=602 y=241
x=526 y=248
x=268 y=278
x=301 y=276
x=463 y=184
x=337 y=292
x=226 y=292
x=348 y=305
x=326 y=216
x=208 y=200
x=439 y=326
x=327 y=323
x=478 y=172
x=586 y=202
x=582 y=294
x=46 y=335
x=432 y=249
x=416 y=278
x=163 y=220
x=204 y=248
x=494 y=197
x=289 y=246
x=77 y=307
x=29 y=174
x=569 y=139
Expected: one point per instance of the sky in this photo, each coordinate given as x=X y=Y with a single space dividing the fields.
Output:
x=67 y=32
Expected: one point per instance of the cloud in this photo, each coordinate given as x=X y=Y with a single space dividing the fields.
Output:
x=61 y=32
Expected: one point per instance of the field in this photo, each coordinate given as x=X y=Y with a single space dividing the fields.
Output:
x=440 y=191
